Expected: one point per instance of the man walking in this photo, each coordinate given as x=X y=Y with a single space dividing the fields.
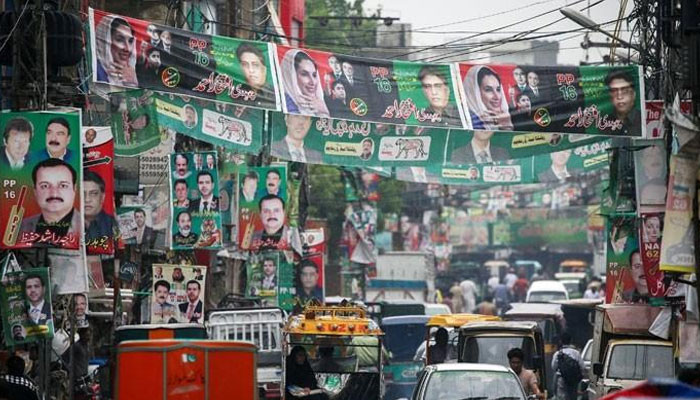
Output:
x=568 y=365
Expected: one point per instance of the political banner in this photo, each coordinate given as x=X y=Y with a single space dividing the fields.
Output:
x=341 y=142
x=624 y=263
x=134 y=53
x=678 y=243
x=68 y=271
x=41 y=171
x=506 y=172
x=178 y=294
x=591 y=100
x=651 y=231
x=562 y=165
x=650 y=175
x=310 y=273
x=136 y=226
x=134 y=124
x=263 y=202
x=194 y=189
x=25 y=301
x=655 y=116
x=98 y=189
x=337 y=86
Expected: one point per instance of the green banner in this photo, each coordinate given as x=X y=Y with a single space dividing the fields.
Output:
x=134 y=124
x=270 y=277
x=25 y=300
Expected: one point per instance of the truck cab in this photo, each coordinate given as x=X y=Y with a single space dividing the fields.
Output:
x=623 y=352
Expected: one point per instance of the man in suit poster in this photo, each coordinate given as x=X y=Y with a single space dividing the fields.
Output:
x=98 y=170
x=479 y=151
x=292 y=147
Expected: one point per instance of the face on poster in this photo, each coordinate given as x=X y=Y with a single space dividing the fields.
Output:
x=263 y=279
x=263 y=204
x=564 y=164
x=135 y=225
x=98 y=189
x=593 y=100
x=651 y=229
x=134 y=124
x=26 y=306
x=650 y=173
x=625 y=282
x=345 y=87
x=41 y=171
x=135 y=53
x=196 y=215
x=309 y=279
x=178 y=294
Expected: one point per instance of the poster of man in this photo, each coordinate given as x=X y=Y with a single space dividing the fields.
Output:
x=25 y=300
x=309 y=284
x=262 y=219
x=625 y=281
x=270 y=277
x=44 y=185
x=178 y=294
x=98 y=189
x=80 y=309
x=198 y=224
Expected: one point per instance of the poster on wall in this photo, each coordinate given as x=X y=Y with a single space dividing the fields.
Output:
x=41 y=173
x=591 y=100
x=178 y=294
x=98 y=189
x=625 y=279
x=338 y=86
x=194 y=191
x=134 y=53
x=25 y=300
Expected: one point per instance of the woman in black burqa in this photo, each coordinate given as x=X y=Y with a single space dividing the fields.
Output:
x=300 y=373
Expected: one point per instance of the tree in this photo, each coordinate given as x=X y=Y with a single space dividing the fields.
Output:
x=338 y=36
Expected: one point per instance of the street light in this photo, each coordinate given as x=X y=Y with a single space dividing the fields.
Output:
x=588 y=23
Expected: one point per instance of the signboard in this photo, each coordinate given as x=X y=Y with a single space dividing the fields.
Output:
x=98 y=189
x=178 y=294
x=42 y=180
x=25 y=300
x=677 y=246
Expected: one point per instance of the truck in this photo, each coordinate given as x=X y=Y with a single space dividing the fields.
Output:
x=623 y=352
x=401 y=275
x=263 y=327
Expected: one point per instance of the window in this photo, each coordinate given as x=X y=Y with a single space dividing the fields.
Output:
x=639 y=362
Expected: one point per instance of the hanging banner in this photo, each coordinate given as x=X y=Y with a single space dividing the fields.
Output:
x=592 y=100
x=650 y=243
x=340 y=142
x=655 y=116
x=331 y=85
x=68 y=271
x=41 y=173
x=194 y=189
x=624 y=282
x=677 y=246
x=311 y=269
x=136 y=226
x=565 y=164
x=134 y=123
x=270 y=277
x=650 y=175
x=135 y=53
x=263 y=203
x=98 y=189
x=508 y=172
x=25 y=301
x=178 y=294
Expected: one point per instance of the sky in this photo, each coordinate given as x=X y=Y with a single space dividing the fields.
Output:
x=477 y=17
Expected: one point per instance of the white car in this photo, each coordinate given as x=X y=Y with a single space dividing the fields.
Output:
x=546 y=291
x=468 y=381
x=435 y=309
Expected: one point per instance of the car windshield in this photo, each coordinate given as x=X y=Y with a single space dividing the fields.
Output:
x=543 y=297
x=403 y=340
x=494 y=349
x=639 y=362
x=483 y=385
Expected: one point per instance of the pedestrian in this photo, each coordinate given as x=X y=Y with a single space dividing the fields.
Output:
x=447 y=300
x=492 y=283
x=592 y=292
x=510 y=279
x=437 y=353
x=568 y=365
x=486 y=307
x=520 y=287
x=528 y=379
x=457 y=298
x=502 y=296
x=15 y=385
x=469 y=294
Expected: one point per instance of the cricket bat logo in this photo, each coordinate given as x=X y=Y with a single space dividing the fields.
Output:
x=13 y=223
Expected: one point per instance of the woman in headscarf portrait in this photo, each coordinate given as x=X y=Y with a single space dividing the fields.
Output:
x=488 y=107
x=302 y=85
x=116 y=52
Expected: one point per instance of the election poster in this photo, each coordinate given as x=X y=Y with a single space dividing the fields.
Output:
x=270 y=277
x=134 y=53
x=25 y=301
x=651 y=230
x=314 y=245
x=178 y=294
x=678 y=242
x=655 y=116
x=136 y=226
x=565 y=164
x=68 y=271
x=591 y=100
x=338 y=86
x=625 y=280
x=194 y=191
x=263 y=203
x=134 y=125
x=98 y=189
x=650 y=175
x=506 y=172
x=41 y=173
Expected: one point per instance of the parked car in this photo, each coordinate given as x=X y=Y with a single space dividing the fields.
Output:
x=546 y=291
x=468 y=381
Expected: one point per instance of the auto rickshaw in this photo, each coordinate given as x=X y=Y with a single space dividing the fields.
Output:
x=403 y=335
x=344 y=348
x=451 y=322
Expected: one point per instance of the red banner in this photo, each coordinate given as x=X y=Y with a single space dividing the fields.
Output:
x=98 y=188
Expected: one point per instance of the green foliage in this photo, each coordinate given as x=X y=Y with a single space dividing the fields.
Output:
x=339 y=36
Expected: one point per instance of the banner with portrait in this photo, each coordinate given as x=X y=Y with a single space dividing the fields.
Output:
x=678 y=243
x=625 y=280
x=134 y=53
x=98 y=189
x=25 y=301
x=194 y=191
x=651 y=232
x=593 y=100
x=504 y=173
x=178 y=294
x=263 y=202
x=136 y=226
x=650 y=175
x=309 y=278
x=134 y=123
x=341 y=142
x=338 y=86
x=566 y=164
x=41 y=173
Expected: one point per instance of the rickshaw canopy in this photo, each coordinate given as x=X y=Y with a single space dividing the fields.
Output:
x=457 y=320
x=332 y=321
